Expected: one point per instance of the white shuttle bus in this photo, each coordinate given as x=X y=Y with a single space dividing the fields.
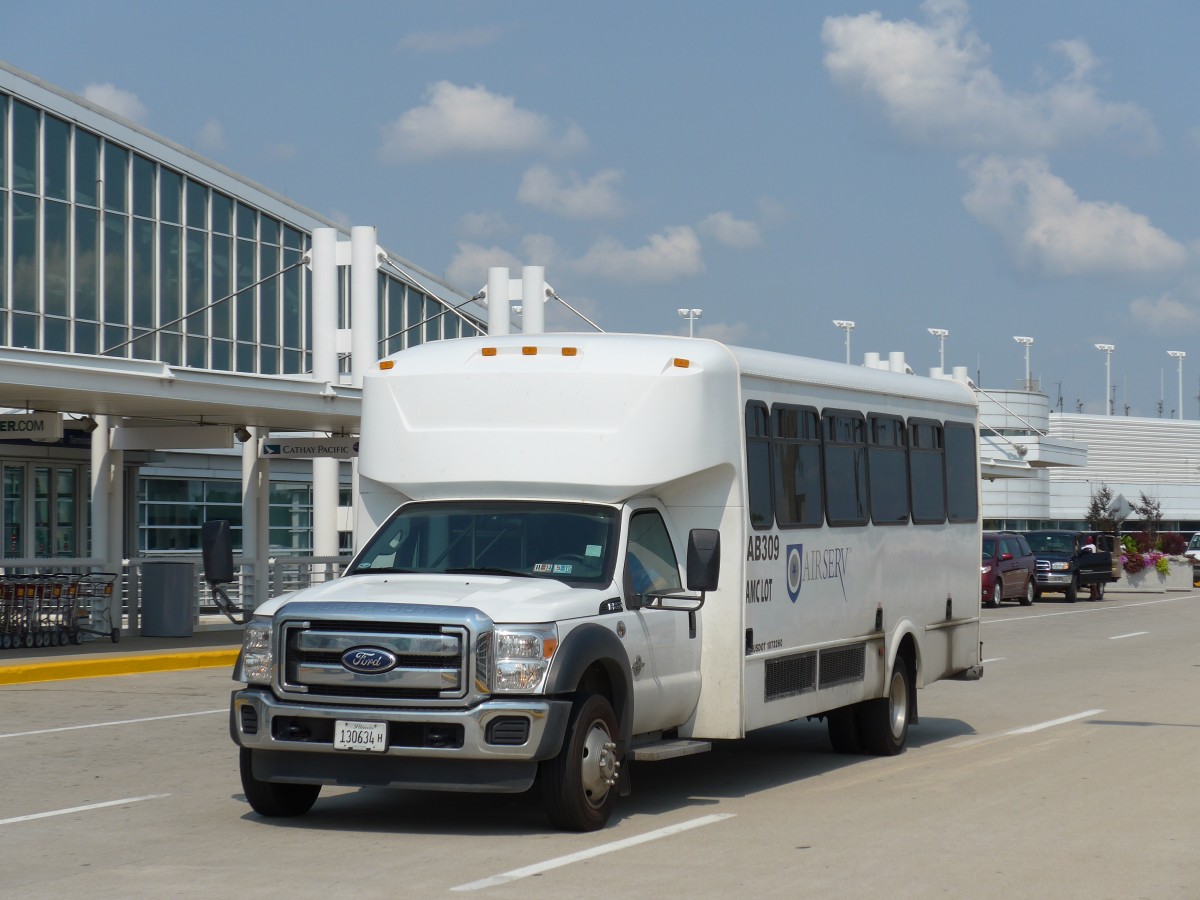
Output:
x=585 y=551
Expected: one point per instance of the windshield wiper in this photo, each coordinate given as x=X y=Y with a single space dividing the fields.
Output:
x=485 y=570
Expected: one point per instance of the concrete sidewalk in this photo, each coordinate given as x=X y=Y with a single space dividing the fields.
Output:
x=212 y=647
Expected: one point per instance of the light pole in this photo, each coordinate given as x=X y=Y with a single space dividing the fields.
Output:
x=1108 y=352
x=1179 y=355
x=1025 y=342
x=941 y=334
x=848 y=327
x=691 y=315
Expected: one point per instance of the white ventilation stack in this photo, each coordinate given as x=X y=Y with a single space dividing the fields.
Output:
x=497 y=300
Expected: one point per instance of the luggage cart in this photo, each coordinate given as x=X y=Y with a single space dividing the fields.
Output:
x=91 y=607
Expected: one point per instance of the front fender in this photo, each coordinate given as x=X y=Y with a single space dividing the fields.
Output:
x=580 y=649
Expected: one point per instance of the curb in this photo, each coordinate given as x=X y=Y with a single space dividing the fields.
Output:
x=61 y=670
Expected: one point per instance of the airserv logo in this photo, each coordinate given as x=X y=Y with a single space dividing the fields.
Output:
x=817 y=565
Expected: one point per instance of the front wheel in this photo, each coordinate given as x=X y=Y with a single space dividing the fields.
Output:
x=275 y=799
x=579 y=785
x=883 y=723
x=997 y=594
x=1030 y=593
x=1073 y=589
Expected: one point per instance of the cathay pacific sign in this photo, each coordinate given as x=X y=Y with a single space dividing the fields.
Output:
x=310 y=448
x=31 y=427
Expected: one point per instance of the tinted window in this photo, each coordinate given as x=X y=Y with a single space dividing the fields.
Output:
x=650 y=563
x=797 y=476
x=845 y=446
x=888 y=462
x=926 y=465
x=989 y=548
x=758 y=466
x=962 y=472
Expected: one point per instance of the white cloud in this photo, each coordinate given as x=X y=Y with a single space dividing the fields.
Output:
x=123 y=103
x=540 y=250
x=1165 y=314
x=211 y=136
x=451 y=41
x=459 y=120
x=571 y=197
x=468 y=268
x=934 y=84
x=1049 y=228
x=724 y=228
x=669 y=256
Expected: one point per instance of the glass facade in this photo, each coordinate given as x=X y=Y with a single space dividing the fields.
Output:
x=105 y=250
x=115 y=244
x=172 y=510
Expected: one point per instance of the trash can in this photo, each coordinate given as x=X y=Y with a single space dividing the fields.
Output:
x=168 y=598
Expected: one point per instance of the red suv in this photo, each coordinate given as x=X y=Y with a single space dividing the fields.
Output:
x=1009 y=569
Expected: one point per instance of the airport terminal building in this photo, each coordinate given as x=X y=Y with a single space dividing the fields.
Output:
x=134 y=254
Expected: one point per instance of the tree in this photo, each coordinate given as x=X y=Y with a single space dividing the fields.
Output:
x=1101 y=515
x=1150 y=509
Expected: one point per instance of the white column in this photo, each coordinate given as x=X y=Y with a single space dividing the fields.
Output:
x=256 y=499
x=324 y=304
x=533 y=299
x=107 y=512
x=497 y=301
x=325 y=369
x=364 y=302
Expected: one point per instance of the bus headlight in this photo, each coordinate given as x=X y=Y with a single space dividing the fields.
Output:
x=258 y=652
x=523 y=654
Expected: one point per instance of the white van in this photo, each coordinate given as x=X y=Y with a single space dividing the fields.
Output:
x=587 y=550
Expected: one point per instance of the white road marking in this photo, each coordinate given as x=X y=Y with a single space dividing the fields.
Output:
x=538 y=868
x=1029 y=729
x=1106 y=605
x=993 y=659
x=206 y=712
x=1118 y=637
x=75 y=809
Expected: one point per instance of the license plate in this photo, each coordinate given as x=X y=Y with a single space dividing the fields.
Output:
x=369 y=736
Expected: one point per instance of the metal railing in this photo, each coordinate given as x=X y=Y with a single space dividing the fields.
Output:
x=283 y=575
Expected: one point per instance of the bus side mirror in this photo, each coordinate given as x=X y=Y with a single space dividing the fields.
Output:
x=703 y=559
x=216 y=542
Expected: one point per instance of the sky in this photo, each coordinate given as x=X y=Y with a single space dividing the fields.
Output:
x=991 y=169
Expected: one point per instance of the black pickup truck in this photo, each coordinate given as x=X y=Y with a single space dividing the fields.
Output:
x=1062 y=567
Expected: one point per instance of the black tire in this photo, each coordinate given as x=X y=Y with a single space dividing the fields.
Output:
x=579 y=786
x=1030 y=593
x=997 y=594
x=883 y=723
x=115 y=634
x=275 y=800
x=1073 y=589
x=843 y=730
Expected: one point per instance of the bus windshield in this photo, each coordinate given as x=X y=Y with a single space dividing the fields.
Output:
x=570 y=542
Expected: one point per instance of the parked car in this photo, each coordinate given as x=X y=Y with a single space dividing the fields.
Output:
x=1063 y=566
x=1008 y=569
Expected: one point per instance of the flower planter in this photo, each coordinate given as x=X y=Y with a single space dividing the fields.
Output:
x=1150 y=581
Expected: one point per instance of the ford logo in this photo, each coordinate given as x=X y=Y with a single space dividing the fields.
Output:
x=369 y=660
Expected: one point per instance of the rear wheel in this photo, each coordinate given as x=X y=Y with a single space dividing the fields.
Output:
x=272 y=799
x=579 y=785
x=843 y=730
x=883 y=723
x=1030 y=593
